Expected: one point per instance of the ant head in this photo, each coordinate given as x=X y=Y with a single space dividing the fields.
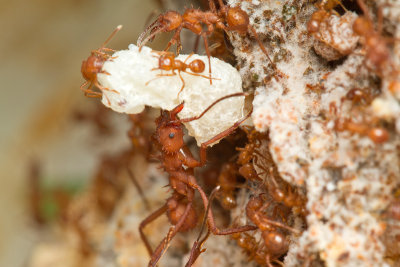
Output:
x=170 y=21
x=197 y=66
x=237 y=20
x=171 y=138
x=166 y=61
x=169 y=130
x=91 y=66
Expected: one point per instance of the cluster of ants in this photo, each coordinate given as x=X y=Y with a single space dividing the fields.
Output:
x=376 y=50
x=178 y=161
x=274 y=203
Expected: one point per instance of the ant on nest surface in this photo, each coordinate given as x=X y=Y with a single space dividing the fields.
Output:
x=226 y=18
x=167 y=61
x=93 y=65
x=179 y=163
x=271 y=209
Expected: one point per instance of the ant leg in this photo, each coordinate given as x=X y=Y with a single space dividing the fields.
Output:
x=210 y=217
x=176 y=39
x=105 y=88
x=204 y=35
x=196 y=74
x=212 y=7
x=139 y=189
x=196 y=44
x=268 y=261
x=260 y=44
x=196 y=249
x=183 y=83
x=159 y=76
x=191 y=54
x=162 y=247
x=210 y=106
x=89 y=92
x=148 y=220
x=280 y=225
x=203 y=147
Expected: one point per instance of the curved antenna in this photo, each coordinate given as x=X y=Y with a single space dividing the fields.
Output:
x=210 y=106
x=153 y=29
x=117 y=29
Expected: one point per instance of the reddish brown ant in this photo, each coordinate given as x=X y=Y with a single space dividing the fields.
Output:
x=377 y=134
x=325 y=9
x=178 y=161
x=168 y=62
x=226 y=18
x=227 y=182
x=376 y=48
x=248 y=154
x=93 y=65
x=275 y=241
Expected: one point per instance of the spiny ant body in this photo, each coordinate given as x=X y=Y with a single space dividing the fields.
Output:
x=93 y=65
x=179 y=163
x=226 y=18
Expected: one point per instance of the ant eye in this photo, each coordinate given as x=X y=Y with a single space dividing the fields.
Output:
x=171 y=135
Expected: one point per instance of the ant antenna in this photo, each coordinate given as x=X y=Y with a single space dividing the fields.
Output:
x=117 y=29
x=140 y=42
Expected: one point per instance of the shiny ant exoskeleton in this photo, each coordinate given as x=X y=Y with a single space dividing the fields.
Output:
x=226 y=18
x=168 y=62
x=325 y=9
x=275 y=241
x=93 y=65
x=179 y=163
x=227 y=181
x=249 y=154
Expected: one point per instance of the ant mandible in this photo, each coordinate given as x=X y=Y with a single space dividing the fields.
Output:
x=226 y=18
x=168 y=62
x=93 y=65
x=179 y=163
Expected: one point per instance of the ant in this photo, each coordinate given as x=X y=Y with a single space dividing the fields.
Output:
x=248 y=154
x=377 y=51
x=179 y=163
x=227 y=182
x=275 y=242
x=93 y=65
x=325 y=9
x=167 y=62
x=226 y=18
x=377 y=134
